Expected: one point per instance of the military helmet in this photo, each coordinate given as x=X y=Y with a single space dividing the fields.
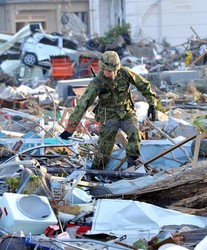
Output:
x=109 y=60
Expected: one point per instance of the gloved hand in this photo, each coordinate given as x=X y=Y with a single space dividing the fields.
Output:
x=65 y=134
x=152 y=112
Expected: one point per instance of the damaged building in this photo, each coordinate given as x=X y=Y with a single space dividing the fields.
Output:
x=51 y=14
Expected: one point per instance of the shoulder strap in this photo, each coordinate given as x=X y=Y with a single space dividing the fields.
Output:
x=125 y=75
x=99 y=82
x=127 y=79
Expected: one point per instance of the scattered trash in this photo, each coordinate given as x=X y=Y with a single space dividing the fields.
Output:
x=50 y=196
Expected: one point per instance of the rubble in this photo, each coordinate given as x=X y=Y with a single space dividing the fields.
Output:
x=50 y=196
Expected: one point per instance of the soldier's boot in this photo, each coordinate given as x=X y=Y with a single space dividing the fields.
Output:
x=96 y=165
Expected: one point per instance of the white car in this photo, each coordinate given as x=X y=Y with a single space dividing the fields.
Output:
x=42 y=46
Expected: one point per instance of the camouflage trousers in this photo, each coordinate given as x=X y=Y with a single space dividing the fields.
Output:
x=110 y=125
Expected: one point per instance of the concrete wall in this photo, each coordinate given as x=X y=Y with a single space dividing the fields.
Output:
x=172 y=19
x=104 y=14
x=99 y=20
x=49 y=12
x=131 y=17
x=25 y=13
x=3 y=21
x=154 y=19
x=94 y=12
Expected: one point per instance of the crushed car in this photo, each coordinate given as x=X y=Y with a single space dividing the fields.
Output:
x=40 y=47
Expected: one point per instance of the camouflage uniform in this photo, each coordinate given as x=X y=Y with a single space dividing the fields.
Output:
x=115 y=110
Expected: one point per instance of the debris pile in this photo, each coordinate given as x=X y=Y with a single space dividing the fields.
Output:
x=51 y=198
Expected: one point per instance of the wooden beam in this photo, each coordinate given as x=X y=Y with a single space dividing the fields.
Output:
x=169 y=149
x=196 y=150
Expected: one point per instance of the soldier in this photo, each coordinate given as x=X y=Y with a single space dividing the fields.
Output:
x=115 y=109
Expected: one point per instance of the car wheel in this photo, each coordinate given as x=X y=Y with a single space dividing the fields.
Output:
x=29 y=59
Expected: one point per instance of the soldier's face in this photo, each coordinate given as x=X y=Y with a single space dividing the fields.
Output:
x=110 y=74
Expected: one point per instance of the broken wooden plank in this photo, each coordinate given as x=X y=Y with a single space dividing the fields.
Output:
x=197 y=201
x=196 y=150
x=192 y=211
x=182 y=185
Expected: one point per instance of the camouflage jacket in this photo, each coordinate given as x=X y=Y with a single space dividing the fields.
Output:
x=112 y=93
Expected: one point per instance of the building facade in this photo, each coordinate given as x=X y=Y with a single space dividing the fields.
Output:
x=170 y=19
x=14 y=14
x=105 y=14
x=151 y=19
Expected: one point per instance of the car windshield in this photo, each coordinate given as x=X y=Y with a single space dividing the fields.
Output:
x=45 y=40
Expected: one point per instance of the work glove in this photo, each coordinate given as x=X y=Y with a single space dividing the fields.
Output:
x=65 y=135
x=152 y=112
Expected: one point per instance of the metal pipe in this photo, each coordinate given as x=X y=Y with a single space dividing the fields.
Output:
x=95 y=172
